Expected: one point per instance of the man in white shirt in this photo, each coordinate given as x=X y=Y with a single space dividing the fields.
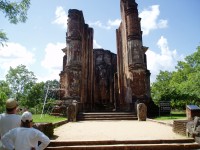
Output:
x=25 y=137
x=10 y=119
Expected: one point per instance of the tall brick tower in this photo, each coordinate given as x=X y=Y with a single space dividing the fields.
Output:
x=87 y=74
x=75 y=78
x=133 y=75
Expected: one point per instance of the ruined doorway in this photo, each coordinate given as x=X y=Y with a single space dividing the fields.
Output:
x=105 y=67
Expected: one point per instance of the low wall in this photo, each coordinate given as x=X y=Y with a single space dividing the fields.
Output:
x=48 y=128
x=57 y=124
x=179 y=126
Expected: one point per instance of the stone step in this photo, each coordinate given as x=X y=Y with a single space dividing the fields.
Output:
x=109 y=113
x=112 y=118
x=174 y=144
x=107 y=116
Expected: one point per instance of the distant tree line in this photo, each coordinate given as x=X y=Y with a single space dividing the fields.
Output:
x=21 y=84
x=182 y=86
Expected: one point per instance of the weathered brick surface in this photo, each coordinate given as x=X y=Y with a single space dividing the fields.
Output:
x=98 y=79
x=179 y=126
x=132 y=64
x=87 y=75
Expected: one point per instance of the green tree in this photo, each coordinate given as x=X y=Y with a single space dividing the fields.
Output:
x=182 y=86
x=36 y=94
x=51 y=94
x=20 y=81
x=53 y=91
x=192 y=84
x=36 y=97
x=160 y=89
x=4 y=94
x=15 y=12
x=189 y=72
x=3 y=37
x=42 y=94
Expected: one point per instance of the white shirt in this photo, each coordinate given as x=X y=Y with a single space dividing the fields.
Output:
x=24 y=138
x=8 y=122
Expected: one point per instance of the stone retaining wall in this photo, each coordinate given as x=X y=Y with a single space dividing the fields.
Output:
x=48 y=128
x=57 y=124
x=179 y=126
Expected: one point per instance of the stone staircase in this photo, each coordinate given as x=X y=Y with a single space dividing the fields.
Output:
x=107 y=116
x=174 y=144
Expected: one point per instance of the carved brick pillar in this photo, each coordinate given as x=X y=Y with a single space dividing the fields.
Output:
x=71 y=74
x=76 y=78
x=133 y=76
x=120 y=67
x=116 y=93
x=87 y=69
x=84 y=79
x=134 y=36
x=91 y=69
x=136 y=52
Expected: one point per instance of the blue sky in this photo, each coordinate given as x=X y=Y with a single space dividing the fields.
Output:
x=171 y=30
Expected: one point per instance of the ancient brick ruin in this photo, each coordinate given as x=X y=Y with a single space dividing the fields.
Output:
x=134 y=78
x=98 y=79
x=77 y=76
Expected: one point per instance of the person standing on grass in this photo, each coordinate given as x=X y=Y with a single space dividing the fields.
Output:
x=10 y=119
x=25 y=137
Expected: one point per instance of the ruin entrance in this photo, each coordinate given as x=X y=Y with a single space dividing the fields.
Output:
x=98 y=79
x=105 y=66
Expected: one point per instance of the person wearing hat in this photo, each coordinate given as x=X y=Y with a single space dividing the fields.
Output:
x=10 y=119
x=25 y=137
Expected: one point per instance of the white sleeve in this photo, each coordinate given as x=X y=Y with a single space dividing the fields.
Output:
x=7 y=140
x=43 y=139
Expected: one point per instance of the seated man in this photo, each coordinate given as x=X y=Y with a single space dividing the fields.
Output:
x=25 y=137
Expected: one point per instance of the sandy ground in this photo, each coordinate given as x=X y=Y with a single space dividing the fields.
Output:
x=114 y=130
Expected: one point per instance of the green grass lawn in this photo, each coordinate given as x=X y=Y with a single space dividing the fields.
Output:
x=47 y=118
x=174 y=115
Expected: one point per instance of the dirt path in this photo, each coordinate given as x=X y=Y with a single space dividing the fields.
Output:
x=114 y=130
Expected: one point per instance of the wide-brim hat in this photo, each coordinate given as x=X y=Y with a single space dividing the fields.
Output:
x=11 y=103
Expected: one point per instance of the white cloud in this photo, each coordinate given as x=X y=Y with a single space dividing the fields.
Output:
x=162 y=23
x=53 y=61
x=165 y=60
x=109 y=25
x=13 y=55
x=96 y=45
x=99 y=24
x=115 y=22
x=150 y=19
x=61 y=17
